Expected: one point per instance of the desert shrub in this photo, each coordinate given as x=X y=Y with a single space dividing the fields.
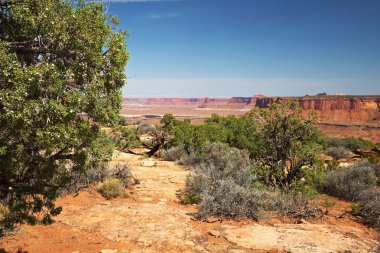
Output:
x=179 y=155
x=329 y=203
x=123 y=173
x=348 y=183
x=123 y=121
x=337 y=152
x=3 y=211
x=370 y=206
x=189 y=199
x=78 y=180
x=226 y=198
x=111 y=188
x=220 y=162
x=223 y=182
x=350 y=143
x=297 y=205
x=145 y=128
x=376 y=168
x=125 y=138
x=374 y=159
x=174 y=154
x=357 y=183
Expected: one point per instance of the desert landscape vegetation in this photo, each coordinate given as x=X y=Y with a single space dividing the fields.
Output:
x=85 y=169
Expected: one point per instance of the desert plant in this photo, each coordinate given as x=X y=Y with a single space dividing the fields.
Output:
x=329 y=203
x=61 y=73
x=3 y=211
x=125 y=138
x=122 y=172
x=351 y=143
x=374 y=159
x=297 y=205
x=287 y=144
x=357 y=183
x=111 y=188
x=179 y=155
x=78 y=180
x=174 y=154
x=227 y=199
x=356 y=208
x=348 y=183
x=189 y=199
x=223 y=181
x=145 y=128
x=337 y=152
x=370 y=206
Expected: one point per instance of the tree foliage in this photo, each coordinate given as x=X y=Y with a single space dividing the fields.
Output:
x=61 y=73
x=287 y=144
x=282 y=145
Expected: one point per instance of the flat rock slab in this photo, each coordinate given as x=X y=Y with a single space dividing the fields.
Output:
x=147 y=225
x=298 y=238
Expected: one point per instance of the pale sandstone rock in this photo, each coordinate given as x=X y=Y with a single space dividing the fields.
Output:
x=299 y=238
x=108 y=251
x=214 y=233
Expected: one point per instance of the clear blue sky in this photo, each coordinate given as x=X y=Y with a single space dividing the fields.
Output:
x=243 y=47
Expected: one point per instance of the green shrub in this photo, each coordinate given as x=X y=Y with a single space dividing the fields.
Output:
x=350 y=143
x=374 y=159
x=189 y=199
x=125 y=138
x=111 y=188
x=329 y=203
x=356 y=208
x=337 y=152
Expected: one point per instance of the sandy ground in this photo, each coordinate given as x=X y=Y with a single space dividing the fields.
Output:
x=151 y=219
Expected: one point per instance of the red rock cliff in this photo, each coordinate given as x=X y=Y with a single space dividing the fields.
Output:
x=335 y=109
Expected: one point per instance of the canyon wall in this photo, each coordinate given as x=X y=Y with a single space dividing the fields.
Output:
x=330 y=109
x=335 y=109
x=338 y=115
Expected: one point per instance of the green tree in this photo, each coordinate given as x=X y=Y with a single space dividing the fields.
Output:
x=289 y=145
x=61 y=73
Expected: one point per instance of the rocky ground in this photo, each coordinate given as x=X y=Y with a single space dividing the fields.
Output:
x=151 y=219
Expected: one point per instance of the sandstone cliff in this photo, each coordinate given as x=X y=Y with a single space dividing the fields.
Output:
x=330 y=109
x=335 y=109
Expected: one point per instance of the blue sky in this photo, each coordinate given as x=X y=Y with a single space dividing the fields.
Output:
x=244 y=47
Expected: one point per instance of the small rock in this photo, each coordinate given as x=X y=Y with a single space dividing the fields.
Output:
x=148 y=199
x=148 y=163
x=212 y=219
x=214 y=233
x=302 y=221
x=108 y=251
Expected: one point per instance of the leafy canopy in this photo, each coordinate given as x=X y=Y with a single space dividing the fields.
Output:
x=61 y=73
